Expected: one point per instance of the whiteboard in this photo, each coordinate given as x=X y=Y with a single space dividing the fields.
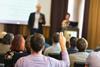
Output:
x=16 y=11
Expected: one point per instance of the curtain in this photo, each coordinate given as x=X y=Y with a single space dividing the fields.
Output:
x=58 y=12
x=86 y=17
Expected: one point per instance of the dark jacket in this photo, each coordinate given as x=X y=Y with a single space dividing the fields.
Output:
x=11 y=57
x=32 y=19
x=72 y=50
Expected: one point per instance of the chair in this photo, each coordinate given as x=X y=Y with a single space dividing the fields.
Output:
x=55 y=55
x=1 y=58
x=81 y=64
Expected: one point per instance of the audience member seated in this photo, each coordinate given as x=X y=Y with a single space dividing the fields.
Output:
x=80 y=56
x=6 y=42
x=36 y=59
x=97 y=49
x=46 y=45
x=55 y=48
x=27 y=44
x=73 y=44
x=94 y=59
x=17 y=50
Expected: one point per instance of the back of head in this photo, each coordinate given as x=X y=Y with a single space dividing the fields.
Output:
x=37 y=42
x=73 y=41
x=18 y=43
x=8 y=38
x=82 y=44
x=55 y=37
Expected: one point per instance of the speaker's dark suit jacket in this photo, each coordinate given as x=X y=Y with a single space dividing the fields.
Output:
x=32 y=20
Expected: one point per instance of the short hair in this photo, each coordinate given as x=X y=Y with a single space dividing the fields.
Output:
x=55 y=37
x=68 y=13
x=8 y=38
x=82 y=44
x=38 y=5
x=37 y=42
x=73 y=41
x=18 y=43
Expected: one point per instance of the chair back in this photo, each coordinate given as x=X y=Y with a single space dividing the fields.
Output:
x=55 y=55
x=81 y=64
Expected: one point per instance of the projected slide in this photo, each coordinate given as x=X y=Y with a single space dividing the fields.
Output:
x=16 y=11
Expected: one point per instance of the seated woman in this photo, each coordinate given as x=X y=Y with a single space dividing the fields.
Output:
x=17 y=50
x=37 y=59
x=80 y=56
x=55 y=48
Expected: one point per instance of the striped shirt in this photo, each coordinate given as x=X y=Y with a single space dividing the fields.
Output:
x=43 y=61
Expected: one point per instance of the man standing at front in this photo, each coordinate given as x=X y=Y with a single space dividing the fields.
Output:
x=36 y=20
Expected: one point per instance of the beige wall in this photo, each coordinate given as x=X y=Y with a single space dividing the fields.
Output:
x=81 y=16
x=94 y=24
x=76 y=9
x=73 y=9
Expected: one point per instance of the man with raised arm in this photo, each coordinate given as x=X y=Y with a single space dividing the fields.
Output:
x=36 y=59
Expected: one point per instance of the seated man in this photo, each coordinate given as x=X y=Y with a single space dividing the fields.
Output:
x=73 y=44
x=80 y=56
x=6 y=43
x=55 y=48
x=94 y=59
x=36 y=59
